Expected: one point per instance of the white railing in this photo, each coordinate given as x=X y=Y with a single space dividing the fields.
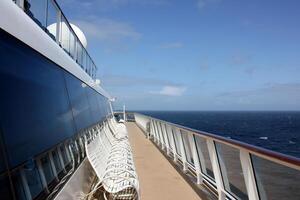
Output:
x=235 y=170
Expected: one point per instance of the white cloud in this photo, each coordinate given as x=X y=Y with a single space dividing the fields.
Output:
x=203 y=3
x=173 y=45
x=108 y=5
x=280 y=96
x=108 y=30
x=129 y=81
x=169 y=90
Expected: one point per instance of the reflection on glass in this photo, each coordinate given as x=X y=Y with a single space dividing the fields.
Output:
x=164 y=126
x=274 y=181
x=64 y=154
x=232 y=173
x=56 y=160
x=36 y=9
x=51 y=20
x=203 y=155
x=18 y=186
x=35 y=98
x=65 y=34
x=33 y=180
x=4 y=188
x=46 y=165
x=187 y=147
x=79 y=102
x=170 y=138
x=161 y=128
x=79 y=52
x=177 y=139
x=72 y=45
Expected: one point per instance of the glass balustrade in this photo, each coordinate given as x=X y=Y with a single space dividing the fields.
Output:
x=49 y=17
x=237 y=170
x=276 y=181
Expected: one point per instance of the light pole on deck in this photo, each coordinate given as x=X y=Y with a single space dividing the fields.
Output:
x=124 y=113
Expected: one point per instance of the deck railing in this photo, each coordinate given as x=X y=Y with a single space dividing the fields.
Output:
x=235 y=170
x=48 y=15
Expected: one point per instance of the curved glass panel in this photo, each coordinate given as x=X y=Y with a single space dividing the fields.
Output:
x=187 y=147
x=47 y=169
x=275 y=181
x=177 y=139
x=204 y=157
x=231 y=169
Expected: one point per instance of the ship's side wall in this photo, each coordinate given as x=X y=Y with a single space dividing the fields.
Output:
x=46 y=99
x=41 y=104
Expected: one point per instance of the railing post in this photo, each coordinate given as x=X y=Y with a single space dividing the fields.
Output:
x=216 y=168
x=195 y=158
x=181 y=147
x=249 y=175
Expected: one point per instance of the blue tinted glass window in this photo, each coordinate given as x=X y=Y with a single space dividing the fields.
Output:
x=79 y=101
x=5 y=191
x=57 y=163
x=33 y=180
x=36 y=9
x=46 y=165
x=94 y=106
x=35 y=111
x=2 y=156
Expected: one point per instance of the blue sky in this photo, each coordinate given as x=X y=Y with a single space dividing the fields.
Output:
x=194 y=54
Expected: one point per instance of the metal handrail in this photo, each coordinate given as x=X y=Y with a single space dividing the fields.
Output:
x=260 y=151
x=161 y=131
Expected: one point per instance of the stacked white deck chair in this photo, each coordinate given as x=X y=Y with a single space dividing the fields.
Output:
x=110 y=155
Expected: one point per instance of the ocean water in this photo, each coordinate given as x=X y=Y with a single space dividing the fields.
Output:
x=277 y=131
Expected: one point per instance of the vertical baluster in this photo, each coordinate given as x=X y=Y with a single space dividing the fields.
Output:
x=248 y=175
x=216 y=168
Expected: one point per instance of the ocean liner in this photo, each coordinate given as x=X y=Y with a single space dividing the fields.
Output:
x=61 y=139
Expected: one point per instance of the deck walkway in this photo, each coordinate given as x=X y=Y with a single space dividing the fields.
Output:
x=158 y=178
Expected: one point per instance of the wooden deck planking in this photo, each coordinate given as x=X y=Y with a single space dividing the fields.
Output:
x=158 y=178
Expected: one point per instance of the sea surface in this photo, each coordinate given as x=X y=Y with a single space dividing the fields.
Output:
x=277 y=131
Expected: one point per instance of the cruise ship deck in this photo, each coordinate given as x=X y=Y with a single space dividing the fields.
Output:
x=156 y=174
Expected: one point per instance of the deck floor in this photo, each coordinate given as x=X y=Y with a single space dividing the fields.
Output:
x=157 y=177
